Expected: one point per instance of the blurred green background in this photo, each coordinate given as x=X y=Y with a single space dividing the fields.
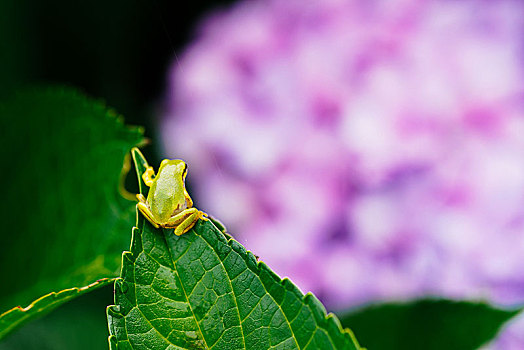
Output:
x=115 y=50
x=118 y=51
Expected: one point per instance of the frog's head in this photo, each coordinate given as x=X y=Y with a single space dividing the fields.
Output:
x=176 y=167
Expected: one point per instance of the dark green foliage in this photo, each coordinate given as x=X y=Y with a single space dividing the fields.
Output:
x=429 y=324
x=17 y=316
x=64 y=224
x=77 y=325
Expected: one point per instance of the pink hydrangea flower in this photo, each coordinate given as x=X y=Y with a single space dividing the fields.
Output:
x=369 y=150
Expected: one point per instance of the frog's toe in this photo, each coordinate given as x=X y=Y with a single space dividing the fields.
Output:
x=202 y=216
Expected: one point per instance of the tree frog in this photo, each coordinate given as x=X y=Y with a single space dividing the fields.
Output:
x=168 y=204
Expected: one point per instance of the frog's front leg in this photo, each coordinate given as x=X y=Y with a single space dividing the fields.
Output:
x=148 y=175
x=144 y=209
x=185 y=220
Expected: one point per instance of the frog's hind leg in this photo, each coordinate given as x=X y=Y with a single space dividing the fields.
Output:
x=144 y=209
x=185 y=220
x=187 y=224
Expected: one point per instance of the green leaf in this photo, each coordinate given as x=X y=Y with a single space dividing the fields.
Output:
x=80 y=324
x=202 y=290
x=17 y=316
x=429 y=324
x=64 y=223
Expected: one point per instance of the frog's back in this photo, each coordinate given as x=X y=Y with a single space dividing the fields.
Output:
x=168 y=192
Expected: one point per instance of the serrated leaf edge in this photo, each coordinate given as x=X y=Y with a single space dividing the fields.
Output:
x=308 y=299
x=249 y=257
x=65 y=90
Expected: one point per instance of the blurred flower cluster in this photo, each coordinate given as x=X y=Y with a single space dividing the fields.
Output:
x=369 y=150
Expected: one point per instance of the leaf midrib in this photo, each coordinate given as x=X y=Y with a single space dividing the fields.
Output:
x=232 y=291
x=183 y=289
x=173 y=261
